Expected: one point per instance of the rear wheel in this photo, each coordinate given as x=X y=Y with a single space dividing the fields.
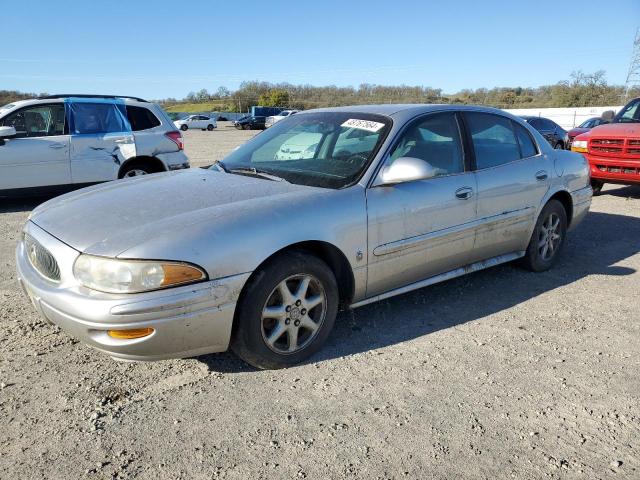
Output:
x=246 y=127
x=547 y=238
x=184 y=128
x=286 y=311
x=597 y=186
x=136 y=172
x=210 y=127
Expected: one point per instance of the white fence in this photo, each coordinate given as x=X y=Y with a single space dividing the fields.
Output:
x=567 y=118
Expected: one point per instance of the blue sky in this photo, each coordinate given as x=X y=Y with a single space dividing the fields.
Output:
x=161 y=48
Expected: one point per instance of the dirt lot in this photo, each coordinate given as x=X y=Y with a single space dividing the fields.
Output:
x=500 y=374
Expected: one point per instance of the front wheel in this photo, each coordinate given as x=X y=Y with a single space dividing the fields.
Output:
x=547 y=238
x=286 y=311
x=559 y=146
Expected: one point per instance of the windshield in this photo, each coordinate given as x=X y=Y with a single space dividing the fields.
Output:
x=587 y=124
x=630 y=113
x=329 y=150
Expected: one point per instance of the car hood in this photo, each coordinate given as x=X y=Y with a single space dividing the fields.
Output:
x=614 y=130
x=109 y=219
x=577 y=131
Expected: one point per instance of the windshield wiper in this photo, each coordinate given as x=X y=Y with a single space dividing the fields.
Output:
x=254 y=172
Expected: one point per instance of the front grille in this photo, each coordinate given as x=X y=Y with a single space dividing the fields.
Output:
x=615 y=147
x=41 y=259
x=618 y=169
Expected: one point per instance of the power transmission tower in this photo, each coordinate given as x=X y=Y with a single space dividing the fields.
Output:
x=633 y=77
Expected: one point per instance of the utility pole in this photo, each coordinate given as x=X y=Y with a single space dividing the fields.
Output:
x=633 y=77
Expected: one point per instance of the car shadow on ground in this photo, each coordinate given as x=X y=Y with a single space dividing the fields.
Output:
x=25 y=204
x=594 y=248
x=624 y=191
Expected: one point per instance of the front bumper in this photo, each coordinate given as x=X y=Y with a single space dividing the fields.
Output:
x=187 y=321
x=612 y=170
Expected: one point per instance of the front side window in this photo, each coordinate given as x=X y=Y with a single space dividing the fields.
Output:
x=436 y=140
x=329 y=149
x=37 y=121
x=98 y=118
x=630 y=113
x=494 y=141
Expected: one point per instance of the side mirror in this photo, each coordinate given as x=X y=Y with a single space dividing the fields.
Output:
x=608 y=115
x=406 y=169
x=6 y=132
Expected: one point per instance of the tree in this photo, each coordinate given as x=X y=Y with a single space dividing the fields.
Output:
x=274 y=98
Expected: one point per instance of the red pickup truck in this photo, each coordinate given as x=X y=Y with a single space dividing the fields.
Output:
x=613 y=150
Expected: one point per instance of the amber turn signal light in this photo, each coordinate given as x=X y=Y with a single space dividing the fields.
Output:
x=130 y=333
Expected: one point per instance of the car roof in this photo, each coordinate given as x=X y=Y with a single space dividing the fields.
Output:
x=408 y=109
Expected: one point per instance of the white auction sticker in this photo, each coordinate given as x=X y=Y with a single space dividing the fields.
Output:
x=363 y=124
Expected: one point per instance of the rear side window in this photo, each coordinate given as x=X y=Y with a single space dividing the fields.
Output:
x=527 y=146
x=141 y=118
x=97 y=118
x=494 y=141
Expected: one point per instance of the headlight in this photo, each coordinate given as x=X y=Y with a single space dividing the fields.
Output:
x=579 y=146
x=133 y=276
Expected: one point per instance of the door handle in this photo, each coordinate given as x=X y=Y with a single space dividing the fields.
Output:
x=542 y=175
x=57 y=145
x=464 y=193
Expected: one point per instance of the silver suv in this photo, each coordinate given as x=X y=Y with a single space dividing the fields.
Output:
x=60 y=141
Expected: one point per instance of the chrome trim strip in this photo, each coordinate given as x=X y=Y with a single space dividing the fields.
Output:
x=474 y=267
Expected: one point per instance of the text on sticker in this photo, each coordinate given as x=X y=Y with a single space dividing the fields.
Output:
x=363 y=124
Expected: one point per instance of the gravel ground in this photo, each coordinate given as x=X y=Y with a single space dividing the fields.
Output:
x=502 y=373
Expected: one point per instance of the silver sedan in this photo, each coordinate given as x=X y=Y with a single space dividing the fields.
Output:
x=260 y=251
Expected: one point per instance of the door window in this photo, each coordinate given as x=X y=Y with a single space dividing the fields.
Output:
x=37 y=121
x=527 y=146
x=494 y=141
x=436 y=140
x=97 y=118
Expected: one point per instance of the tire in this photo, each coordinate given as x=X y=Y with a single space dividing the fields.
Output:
x=266 y=341
x=184 y=128
x=597 y=185
x=136 y=170
x=238 y=126
x=246 y=127
x=544 y=249
x=559 y=146
x=210 y=127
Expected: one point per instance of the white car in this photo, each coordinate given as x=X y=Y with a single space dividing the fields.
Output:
x=300 y=146
x=203 y=122
x=59 y=142
x=276 y=118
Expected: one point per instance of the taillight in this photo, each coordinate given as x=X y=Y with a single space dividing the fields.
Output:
x=175 y=137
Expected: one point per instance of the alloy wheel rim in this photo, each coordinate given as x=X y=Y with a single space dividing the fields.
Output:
x=293 y=314
x=549 y=237
x=136 y=172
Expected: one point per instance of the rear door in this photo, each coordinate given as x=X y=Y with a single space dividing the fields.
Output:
x=513 y=177
x=421 y=228
x=39 y=153
x=101 y=139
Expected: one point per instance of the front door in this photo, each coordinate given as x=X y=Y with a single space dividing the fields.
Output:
x=39 y=153
x=101 y=140
x=421 y=228
x=513 y=178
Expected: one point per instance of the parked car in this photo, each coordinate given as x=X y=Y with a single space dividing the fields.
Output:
x=250 y=122
x=259 y=253
x=203 y=122
x=276 y=118
x=583 y=128
x=58 y=142
x=613 y=150
x=550 y=130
